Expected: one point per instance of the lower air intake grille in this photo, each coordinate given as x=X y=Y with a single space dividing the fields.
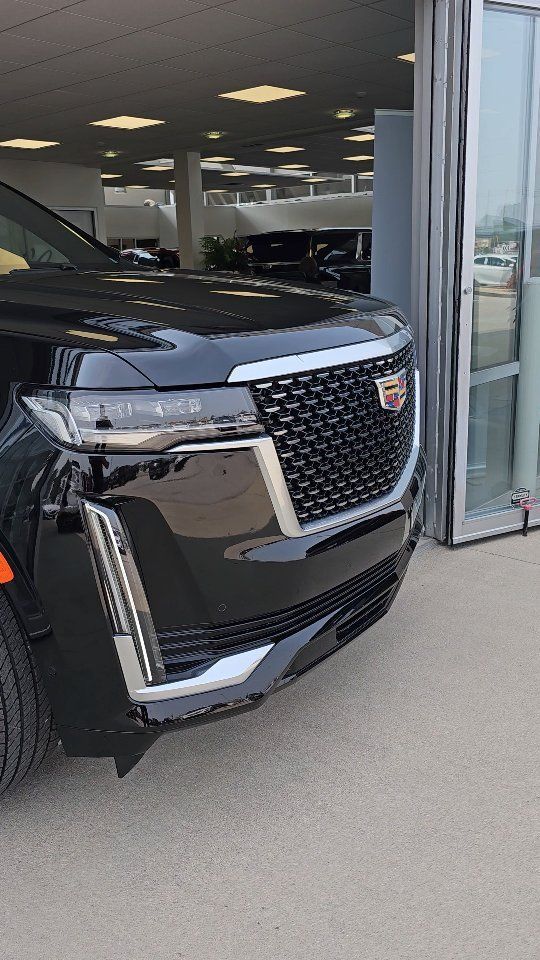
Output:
x=338 y=448
x=356 y=605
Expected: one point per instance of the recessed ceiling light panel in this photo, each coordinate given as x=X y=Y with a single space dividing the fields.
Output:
x=159 y=166
x=360 y=156
x=126 y=123
x=20 y=143
x=262 y=186
x=213 y=134
x=217 y=159
x=361 y=137
x=284 y=149
x=293 y=166
x=266 y=93
x=110 y=176
x=407 y=57
x=236 y=173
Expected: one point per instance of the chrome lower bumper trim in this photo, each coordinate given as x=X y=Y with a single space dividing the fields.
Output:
x=227 y=672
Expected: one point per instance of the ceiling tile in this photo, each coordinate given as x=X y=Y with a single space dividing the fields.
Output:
x=283 y=12
x=281 y=44
x=7 y=66
x=79 y=65
x=212 y=27
x=389 y=73
x=390 y=44
x=38 y=7
x=136 y=13
x=25 y=50
x=336 y=58
x=37 y=105
x=209 y=62
x=76 y=32
x=351 y=27
x=15 y=12
x=147 y=47
x=26 y=81
x=398 y=8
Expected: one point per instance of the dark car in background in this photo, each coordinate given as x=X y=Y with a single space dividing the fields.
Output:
x=208 y=484
x=318 y=255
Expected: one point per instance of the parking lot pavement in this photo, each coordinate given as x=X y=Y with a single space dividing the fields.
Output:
x=385 y=807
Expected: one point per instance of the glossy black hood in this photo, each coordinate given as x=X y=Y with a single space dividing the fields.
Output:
x=183 y=327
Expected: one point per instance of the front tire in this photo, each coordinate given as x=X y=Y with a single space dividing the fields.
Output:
x=27 y=731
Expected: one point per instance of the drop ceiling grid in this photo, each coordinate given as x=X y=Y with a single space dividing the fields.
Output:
x=117 y=73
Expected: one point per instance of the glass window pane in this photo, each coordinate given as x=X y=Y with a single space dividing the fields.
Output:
x=502 y=149
x=489 y=454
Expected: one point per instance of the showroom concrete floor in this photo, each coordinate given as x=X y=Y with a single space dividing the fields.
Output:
x=382 y=808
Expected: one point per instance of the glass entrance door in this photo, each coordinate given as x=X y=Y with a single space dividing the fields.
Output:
x=498 y=409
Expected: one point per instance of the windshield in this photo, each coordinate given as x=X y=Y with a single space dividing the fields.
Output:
x=33 y=238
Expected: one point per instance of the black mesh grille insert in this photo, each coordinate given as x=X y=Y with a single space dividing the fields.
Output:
x=364 y=598
x=338 y=448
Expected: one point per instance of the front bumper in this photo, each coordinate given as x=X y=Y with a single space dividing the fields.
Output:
x=209 y=548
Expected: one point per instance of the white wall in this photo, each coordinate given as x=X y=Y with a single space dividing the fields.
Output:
x=140 y=221
x=348 y=211
x=135 y=222
x=133 y=198
x=58 y=185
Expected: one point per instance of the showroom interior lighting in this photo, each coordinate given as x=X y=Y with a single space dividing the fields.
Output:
x=110 y=176
x=407 y=57
x=159 y=166
x=262 y=186
x=126 y=122
x=234 y=173
x=217 y=159
x=214 y=134
x=266 y=93
x=22 y=144
x=293 y=166
x=315 y=179
x=361 y=137
x=136 y=186
x=360 y=156
x=344 y=113
x=284 y=149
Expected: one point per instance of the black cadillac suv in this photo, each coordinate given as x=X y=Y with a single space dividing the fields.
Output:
x=338 y=254
x=208 y=484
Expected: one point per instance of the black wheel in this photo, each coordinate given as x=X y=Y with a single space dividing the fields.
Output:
x=27 y=731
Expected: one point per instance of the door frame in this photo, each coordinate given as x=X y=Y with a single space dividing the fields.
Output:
x=463 y=529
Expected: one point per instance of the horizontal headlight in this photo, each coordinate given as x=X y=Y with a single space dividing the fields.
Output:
x=142 y=420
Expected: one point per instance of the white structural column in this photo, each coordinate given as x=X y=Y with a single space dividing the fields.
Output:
x=392 y=208
x=189 y=206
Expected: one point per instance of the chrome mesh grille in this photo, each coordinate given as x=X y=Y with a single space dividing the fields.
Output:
x=338 y=448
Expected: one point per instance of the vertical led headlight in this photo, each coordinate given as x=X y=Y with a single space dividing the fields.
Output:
x=123 y=593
